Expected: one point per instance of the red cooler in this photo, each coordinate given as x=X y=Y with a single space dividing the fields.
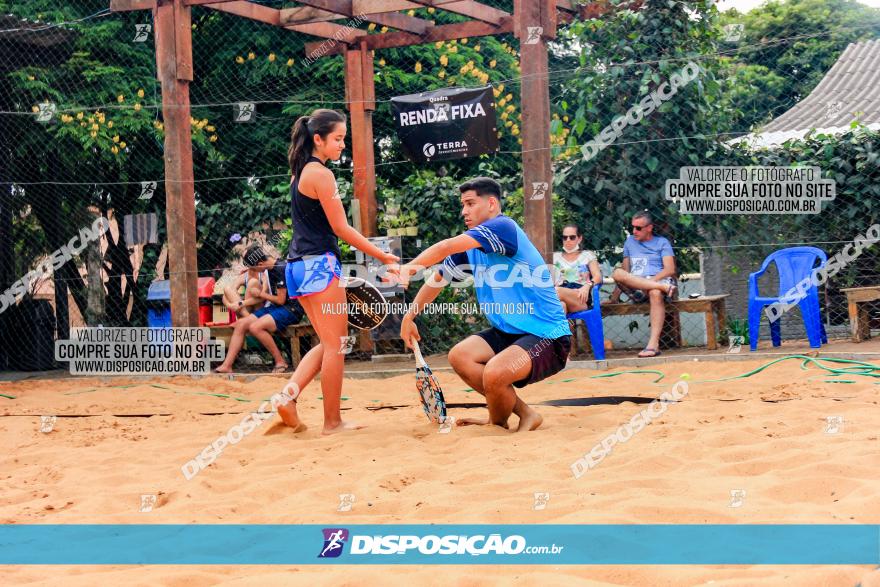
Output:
x=206 y=300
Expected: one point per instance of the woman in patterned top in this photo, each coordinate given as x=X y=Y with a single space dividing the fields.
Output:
x=577 y=271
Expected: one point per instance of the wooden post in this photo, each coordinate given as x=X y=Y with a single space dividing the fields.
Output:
x=360 y=96
x=173 y=24
x=534 y=23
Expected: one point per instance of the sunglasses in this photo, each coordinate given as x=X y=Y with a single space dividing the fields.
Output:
x=638 y=228
x=567 y=237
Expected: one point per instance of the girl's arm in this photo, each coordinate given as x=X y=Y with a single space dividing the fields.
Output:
x=320 y=183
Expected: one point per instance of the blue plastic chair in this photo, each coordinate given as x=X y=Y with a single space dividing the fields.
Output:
x=593 y=319
x=793 y=265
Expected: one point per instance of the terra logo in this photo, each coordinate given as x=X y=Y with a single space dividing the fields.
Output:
x=429 y=150
x=334 y=540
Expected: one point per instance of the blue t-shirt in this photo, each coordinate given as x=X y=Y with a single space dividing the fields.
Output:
x=646 y=258
x=513 y=284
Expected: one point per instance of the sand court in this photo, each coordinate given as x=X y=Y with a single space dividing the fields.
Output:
x=785 y=445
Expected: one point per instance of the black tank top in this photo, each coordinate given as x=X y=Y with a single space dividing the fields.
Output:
x=312 y=233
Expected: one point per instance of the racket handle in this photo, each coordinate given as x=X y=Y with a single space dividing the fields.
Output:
x=420 y=361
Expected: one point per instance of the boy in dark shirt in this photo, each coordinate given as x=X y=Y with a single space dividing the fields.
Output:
x=278 y=313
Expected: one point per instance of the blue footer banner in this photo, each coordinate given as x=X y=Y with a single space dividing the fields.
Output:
x=271 y=544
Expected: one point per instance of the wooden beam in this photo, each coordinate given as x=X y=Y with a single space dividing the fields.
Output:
x=249 y=10
x=336 y=33
x=469 y=8
x=339 y=8
x=201 y=2
x=127 y=5
x=535 y=107
x=446 y=32
x=173 y=28
x=361 y=102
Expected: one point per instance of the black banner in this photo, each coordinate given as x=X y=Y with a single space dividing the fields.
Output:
x=451 y=123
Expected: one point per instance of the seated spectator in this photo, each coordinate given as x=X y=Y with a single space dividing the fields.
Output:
x=576 y=271
x=277 y=313
x=250 y=283
x=647 y=271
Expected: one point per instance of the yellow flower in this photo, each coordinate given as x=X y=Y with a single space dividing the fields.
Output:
x=418 y=66
x=438 y=44
x=501 y=87
x=202 y=124
x=239 y=59
x=120 y=98
x=271 y=57
x=504 y=116
x=464 y=41
x=93 y=134
x=289 y=62
x=213 y=138
x=210 y=128
x=477 y=48
x=82 y=124
x=116 y=138
x=372 y=26
x=411 y=12
x=382 y=63
x=519 y=141
x=251 y=56
x=502 y=102
x=493 y=63
x=565 y=118
x=508 y=97
x=442 y=74
x=453 y=49
x=114 y=149
x=496 y=92
x=140 y=93
x=510 y=108
x=508 y=124
x=514 y=131
x=137 y=107
x=122 y=145
x=384 y=29
x=95 y=127
x=35 y=108
x=431 y=10
x=79 y=115
x=485 y=78
x=157 y=124
x=463 y=69
x=499 y=134
x=32 y=78
x=444 y=60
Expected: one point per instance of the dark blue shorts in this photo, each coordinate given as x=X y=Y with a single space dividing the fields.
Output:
x=311 y=274
x=282 y=315
x=548 y=355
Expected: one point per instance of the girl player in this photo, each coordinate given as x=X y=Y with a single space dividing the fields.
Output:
x=313 y=261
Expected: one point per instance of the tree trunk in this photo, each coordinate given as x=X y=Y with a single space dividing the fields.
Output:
x=95 y=313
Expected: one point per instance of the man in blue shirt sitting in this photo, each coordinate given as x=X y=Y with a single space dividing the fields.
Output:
x=529 y=339
x=648 y=270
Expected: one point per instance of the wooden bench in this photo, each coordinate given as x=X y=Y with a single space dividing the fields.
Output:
x=856 y=299
x=291 y=332
x=711 y=306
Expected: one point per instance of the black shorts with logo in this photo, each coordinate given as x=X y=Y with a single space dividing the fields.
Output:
x=549 y=355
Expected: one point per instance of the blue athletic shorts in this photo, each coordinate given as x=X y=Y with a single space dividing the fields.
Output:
x=282 y=315
x=311 y=274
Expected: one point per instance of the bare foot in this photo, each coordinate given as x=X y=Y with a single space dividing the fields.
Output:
x=531 y=420
x=290 y=417
x=477 y=422
x=222 y=369
x=341 y=427
x=472 y=422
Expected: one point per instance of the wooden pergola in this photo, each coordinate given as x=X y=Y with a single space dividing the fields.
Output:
x=534 y=21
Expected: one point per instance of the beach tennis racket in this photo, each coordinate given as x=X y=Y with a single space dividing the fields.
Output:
x=367 y=307
x=429 y=389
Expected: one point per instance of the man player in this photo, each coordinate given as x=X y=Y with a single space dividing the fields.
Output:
x=529 y=339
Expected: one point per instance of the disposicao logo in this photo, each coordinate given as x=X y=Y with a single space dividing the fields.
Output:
x=334 y=540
